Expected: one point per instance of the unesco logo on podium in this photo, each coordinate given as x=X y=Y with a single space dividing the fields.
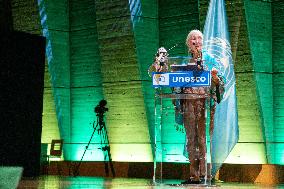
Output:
x=161 y=79
x=181 y=79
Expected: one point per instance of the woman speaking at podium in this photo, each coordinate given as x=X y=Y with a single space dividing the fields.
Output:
x=193 y=110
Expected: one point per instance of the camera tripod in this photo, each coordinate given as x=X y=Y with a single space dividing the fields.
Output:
x=102 y=131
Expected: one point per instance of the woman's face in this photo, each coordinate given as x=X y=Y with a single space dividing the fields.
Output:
x=195 y=43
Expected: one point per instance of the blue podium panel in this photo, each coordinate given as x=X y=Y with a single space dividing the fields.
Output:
x=181 y=79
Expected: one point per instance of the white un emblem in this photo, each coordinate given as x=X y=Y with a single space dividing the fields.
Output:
x=221 y=50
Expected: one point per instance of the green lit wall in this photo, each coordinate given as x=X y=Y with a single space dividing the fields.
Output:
x=262 y=21
x=277 y=7
x=259 y=29
x=98 y=50
x=122 y=85
x=85 y=79
x=251 y=147
x=144 y=17
x=58 y=60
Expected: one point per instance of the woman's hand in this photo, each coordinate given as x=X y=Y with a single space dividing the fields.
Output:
x=214 y=75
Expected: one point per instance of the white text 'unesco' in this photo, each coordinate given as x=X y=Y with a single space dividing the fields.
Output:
x=181 y=79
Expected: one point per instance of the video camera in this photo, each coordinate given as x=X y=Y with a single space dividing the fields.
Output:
x=100 y=109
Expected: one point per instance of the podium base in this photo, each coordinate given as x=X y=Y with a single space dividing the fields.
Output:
x=194 y=185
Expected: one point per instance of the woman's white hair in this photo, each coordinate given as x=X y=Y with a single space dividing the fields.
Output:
x=192 y=32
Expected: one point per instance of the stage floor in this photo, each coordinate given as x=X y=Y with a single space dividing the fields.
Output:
x=80 y=182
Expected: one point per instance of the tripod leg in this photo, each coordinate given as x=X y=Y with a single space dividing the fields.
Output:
x=109 y=154
x=106 y=150
x=101 y=132
x=106 y=166
x=110 y=162
x=76 y=169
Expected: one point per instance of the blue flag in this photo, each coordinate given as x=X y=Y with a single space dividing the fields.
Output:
x=216 y=41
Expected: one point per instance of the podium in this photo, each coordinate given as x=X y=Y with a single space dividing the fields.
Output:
x=171 y=159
